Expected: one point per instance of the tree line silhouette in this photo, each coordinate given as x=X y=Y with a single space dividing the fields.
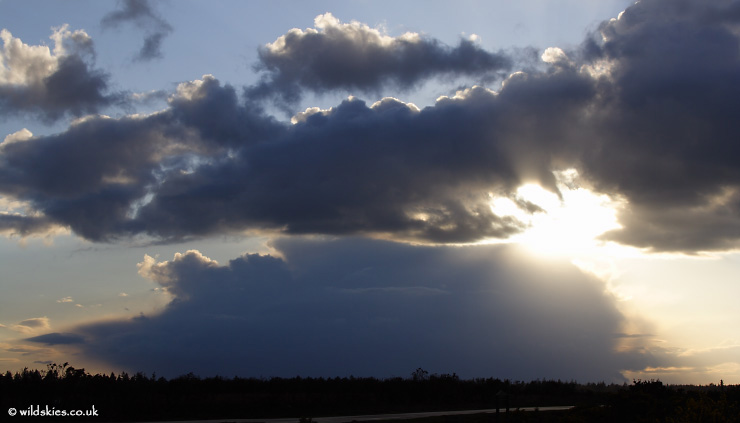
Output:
x=140 y=397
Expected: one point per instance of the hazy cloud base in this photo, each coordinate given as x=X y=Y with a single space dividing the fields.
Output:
x=370 y=308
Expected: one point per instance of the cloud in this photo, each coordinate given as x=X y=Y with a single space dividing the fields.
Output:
x=65 y=300
x=36 y=322
x=353 y=56
x=52 y=83
x=210 y=165
x=33 y=325
x=661 y=128
x=140 y=13
x=30 y=350
x=57 y=338
x=23 y=226
x=706 y=225
x=643 y=109
x=18 y=136
x=382 y=169
x=368 y=307
x=91 y=170
x=105 y=183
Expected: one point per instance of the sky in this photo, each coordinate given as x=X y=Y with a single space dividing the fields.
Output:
x=522 y=190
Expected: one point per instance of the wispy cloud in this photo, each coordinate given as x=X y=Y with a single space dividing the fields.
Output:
x=141 y=14
x=33 y=325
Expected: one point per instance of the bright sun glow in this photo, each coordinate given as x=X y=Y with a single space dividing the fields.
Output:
x=565 y=226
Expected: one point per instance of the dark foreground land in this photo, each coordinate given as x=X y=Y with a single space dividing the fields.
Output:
x=147 y=398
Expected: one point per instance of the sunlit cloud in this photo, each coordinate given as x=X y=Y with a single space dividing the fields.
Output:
x=33 y=325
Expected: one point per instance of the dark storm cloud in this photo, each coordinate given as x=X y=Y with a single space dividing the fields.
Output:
x=108 y=166
x=664 y=133
x=140 y=13
x=209 y=164
x=686 y=229
x=354 y=56
x=645 y=110
x=377 y=308
x=52 y=84
x=381 y=169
